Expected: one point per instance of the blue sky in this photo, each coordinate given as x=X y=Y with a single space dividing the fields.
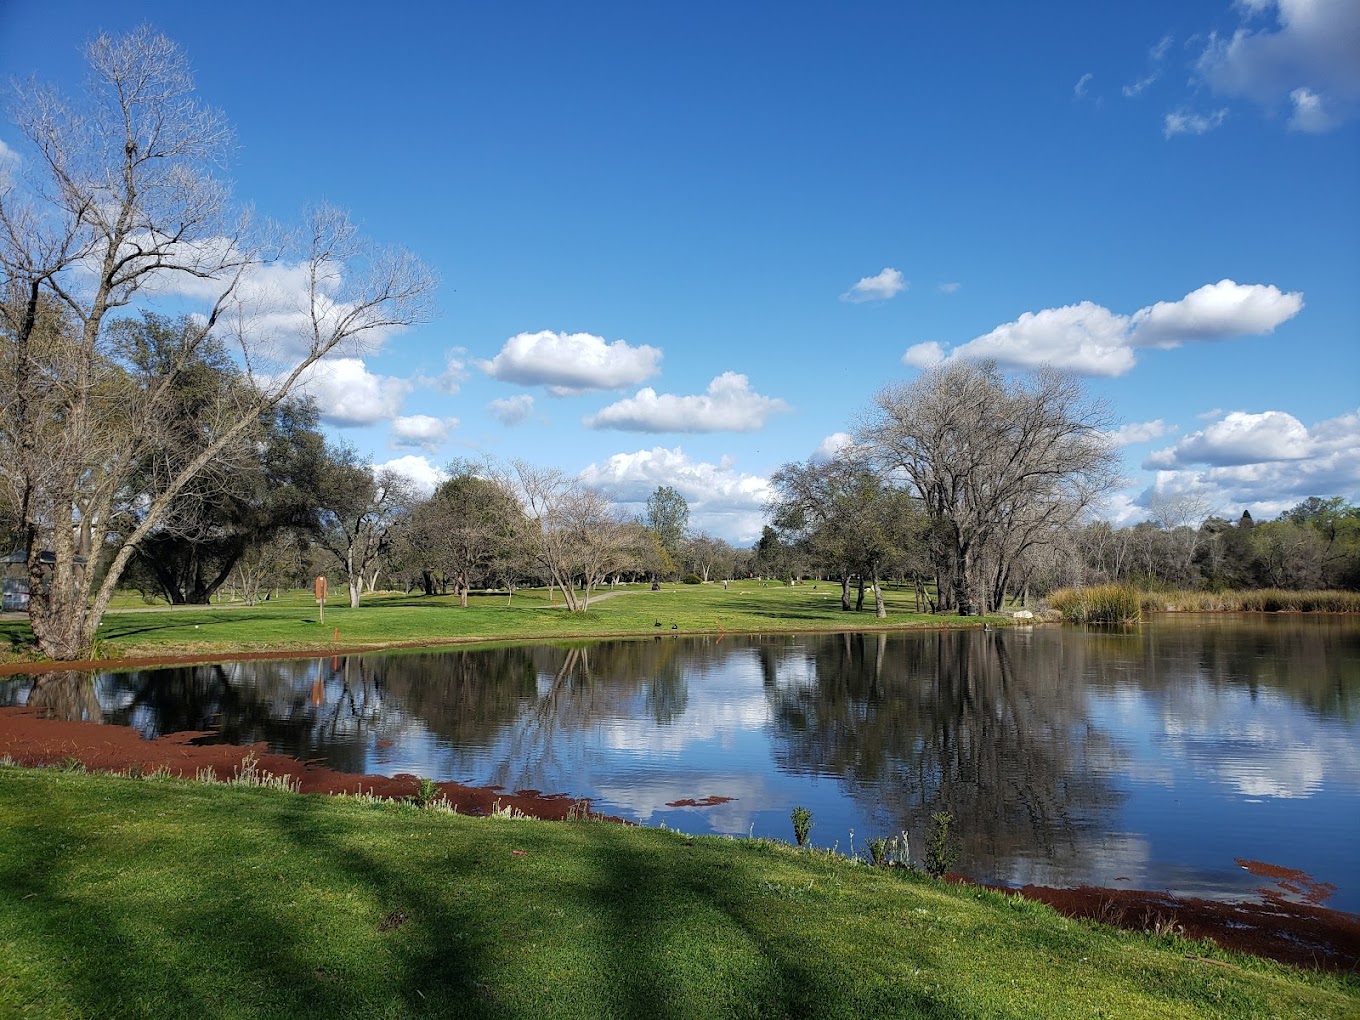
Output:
x=685 y=244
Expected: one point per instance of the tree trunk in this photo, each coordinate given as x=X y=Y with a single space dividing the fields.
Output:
x=845 y=591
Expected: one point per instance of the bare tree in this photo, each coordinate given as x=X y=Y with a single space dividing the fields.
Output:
x=118 y=202
x=544 y=494
x=1180 y=515
x=703 y=554
x=574 y=531
x=999 y=465
x=361 y=508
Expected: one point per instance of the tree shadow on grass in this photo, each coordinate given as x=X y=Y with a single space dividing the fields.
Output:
x=363 y=912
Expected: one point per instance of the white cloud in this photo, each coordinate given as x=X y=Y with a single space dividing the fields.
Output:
x=449 y=381
x=1138 y=432
x=1239 y=438
x=1263 y=462
x=1214 y=312
x=421 y=431
x=568 y=363
x=1079 y=89
x=1308 y=56
x=1184 y=122
x=924 y=355
x=832 y=445
x=512 y=410
x=1085 y=337
x=272 y=306
x=347 y=393
x=951 y=287
x=422 y=473
x=1309 y=113
x=730 y=405
x=722 y=501
x=1157 y=54
x=1090 y=339
x=886 y=284
x=1135 y=88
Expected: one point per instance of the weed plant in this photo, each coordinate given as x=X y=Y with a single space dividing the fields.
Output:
x=802 y=824
x=942 y=851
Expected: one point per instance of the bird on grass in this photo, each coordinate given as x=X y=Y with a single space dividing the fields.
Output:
x=657 y=624
x=675 y=626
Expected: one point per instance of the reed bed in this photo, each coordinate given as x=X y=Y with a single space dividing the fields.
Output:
x=1117 y=603
x=1102 y=603
x=1262 y=600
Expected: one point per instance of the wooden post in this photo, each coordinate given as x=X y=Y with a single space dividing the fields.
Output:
x=319 y=587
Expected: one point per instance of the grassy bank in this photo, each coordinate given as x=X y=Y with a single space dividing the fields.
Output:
x=392 y=619
x=154 y=898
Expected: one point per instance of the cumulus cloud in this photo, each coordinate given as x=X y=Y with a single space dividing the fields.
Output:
x=511 y=411
x=1239 y=438
x=832 y=445
x=274 y=307
x=1213 y=312
x=421 y=431
x=1308 y=56
x=886 y=284
x=924 y=355
x=1091 y=339
x=424 y=475
x=1084 y=337
x=1138 y=432
x=729 y=405
x=567 y=363
x=1186 y=122
x=1264 y=462
x=347 y=393
x=722 y=500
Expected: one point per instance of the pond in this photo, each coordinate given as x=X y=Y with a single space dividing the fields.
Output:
x=1170 y=756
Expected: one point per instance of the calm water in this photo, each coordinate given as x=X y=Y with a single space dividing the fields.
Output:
x=1151 y=758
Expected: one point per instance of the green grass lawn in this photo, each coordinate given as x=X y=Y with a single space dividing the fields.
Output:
x=156 y=898
x=292 y=623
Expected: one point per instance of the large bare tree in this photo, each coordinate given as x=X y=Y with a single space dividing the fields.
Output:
x=574 y=531
x=117 y=201
x=1001 y=465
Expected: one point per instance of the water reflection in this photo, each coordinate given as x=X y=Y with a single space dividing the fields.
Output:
x=1151 y=757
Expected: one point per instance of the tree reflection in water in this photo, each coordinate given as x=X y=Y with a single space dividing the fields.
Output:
x=1034 y=740
x=946 y=722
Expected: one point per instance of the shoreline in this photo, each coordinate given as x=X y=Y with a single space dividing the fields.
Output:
x=1303 y=935
x=21 y=667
